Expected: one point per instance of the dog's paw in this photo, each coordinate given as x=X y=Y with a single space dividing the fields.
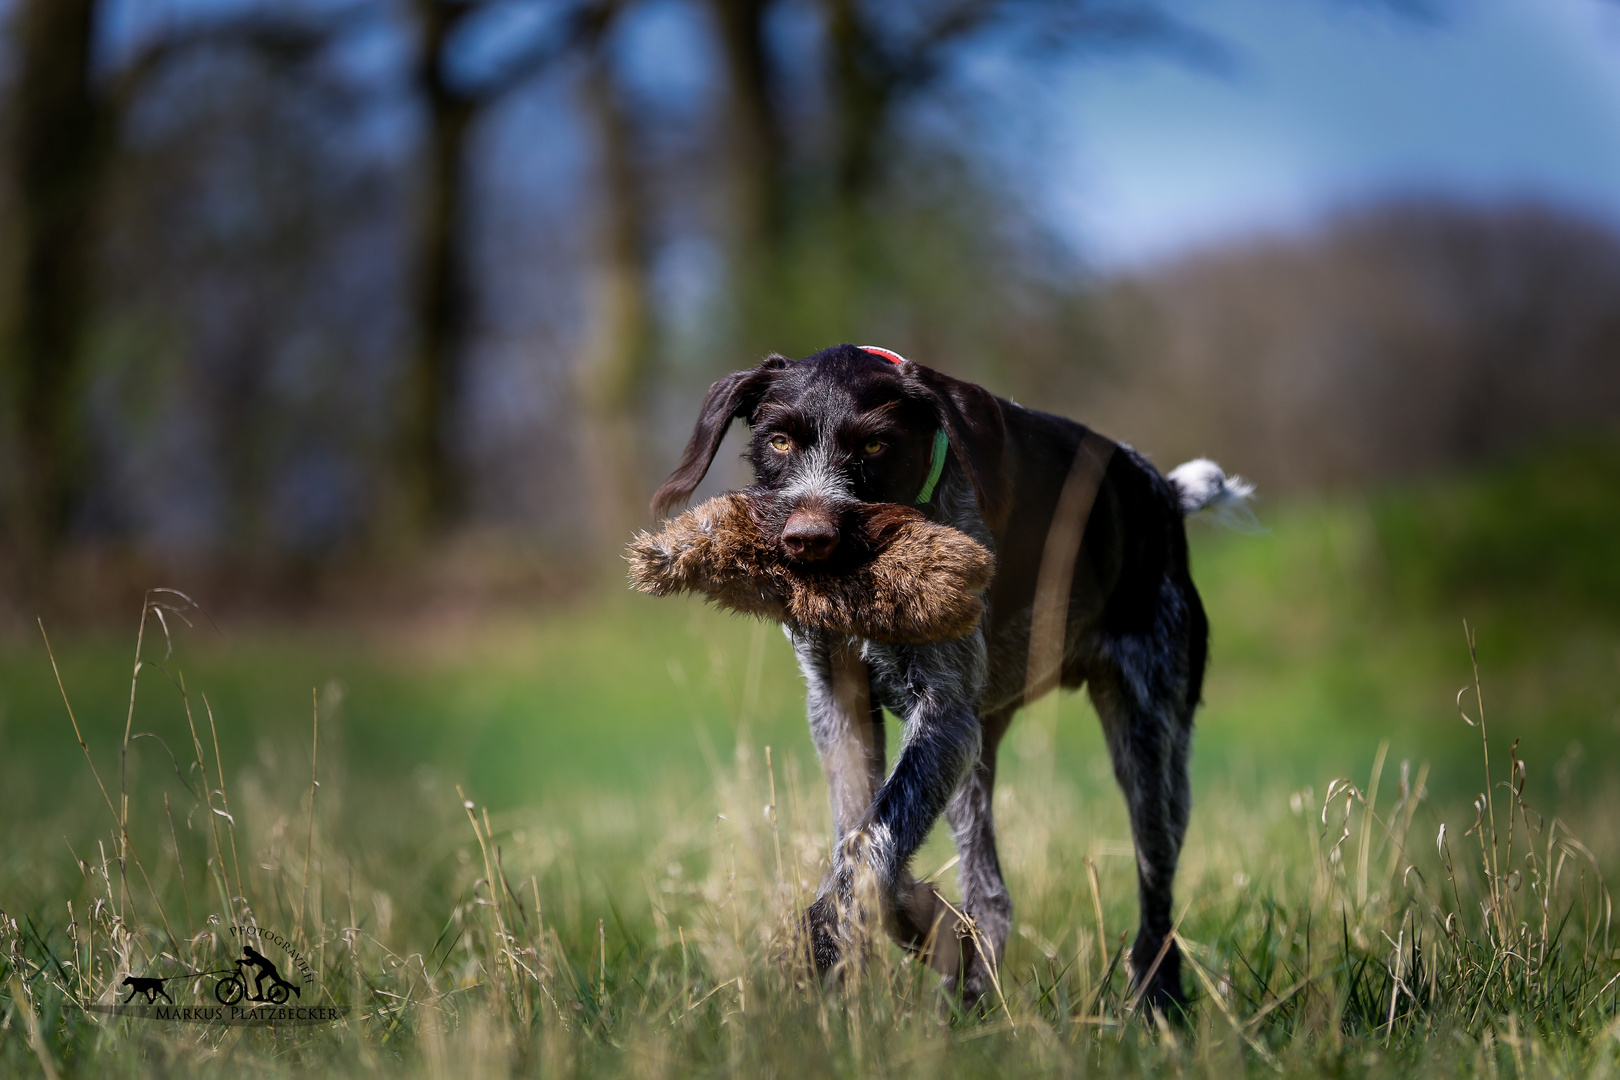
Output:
x=820 y=929
x=979 y=942
x=1158 y=988
x=801 y=947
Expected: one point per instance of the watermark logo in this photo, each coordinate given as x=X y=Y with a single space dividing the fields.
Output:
x=253 y=990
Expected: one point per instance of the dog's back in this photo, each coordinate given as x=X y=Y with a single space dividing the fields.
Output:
x=1133 y=541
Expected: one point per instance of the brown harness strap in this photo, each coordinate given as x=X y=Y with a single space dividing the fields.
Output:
x=1049 y=614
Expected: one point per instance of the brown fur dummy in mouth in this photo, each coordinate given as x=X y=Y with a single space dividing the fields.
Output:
x=922 y=584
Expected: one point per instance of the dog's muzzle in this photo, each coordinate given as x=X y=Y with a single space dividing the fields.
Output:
x=809 y=536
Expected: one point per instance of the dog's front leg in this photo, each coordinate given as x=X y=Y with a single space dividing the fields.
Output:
x=871 y=875
x=845 y=723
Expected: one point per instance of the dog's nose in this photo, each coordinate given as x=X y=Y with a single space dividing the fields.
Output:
x=809 y=537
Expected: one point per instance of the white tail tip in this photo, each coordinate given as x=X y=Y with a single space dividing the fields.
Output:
x=1201 y=485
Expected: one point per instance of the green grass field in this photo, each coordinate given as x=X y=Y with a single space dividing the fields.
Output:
x=647 y=851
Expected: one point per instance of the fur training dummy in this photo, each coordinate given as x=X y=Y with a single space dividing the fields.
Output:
x=920 y=582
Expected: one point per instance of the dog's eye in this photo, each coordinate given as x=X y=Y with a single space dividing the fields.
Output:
x=873 y=447
x=781 y=443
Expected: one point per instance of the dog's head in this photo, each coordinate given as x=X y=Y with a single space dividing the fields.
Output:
x=843 y=427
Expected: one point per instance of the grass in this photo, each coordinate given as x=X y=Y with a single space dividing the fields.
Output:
x=616 y=898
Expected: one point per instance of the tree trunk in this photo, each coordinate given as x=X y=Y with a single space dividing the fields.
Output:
x=758 y=147
x=862 y=103
x=58 y=158
x=762 y=202
x=435 y=380
x=615 y=360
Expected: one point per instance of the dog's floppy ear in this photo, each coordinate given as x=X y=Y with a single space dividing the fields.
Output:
x=731 y=398
x=971 y=417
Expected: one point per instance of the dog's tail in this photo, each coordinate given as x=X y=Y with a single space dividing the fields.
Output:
x=1201 y=485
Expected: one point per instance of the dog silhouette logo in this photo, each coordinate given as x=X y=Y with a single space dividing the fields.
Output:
x=152 y=988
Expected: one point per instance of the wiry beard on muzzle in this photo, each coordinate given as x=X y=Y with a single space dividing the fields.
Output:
x=818 y=483
x=816 y=486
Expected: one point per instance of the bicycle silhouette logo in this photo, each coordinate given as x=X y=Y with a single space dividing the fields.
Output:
x=241 y=985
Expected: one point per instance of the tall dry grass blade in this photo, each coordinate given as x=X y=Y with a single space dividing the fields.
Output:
x=157 y=901
x=506 y=886
x=499 y=937
x=601 y=980
x=227 y=907
x=1285 y=996
x=230 y=821
x=129 y=724
x=770 y=813
x=314 y=785
x=1096 y=906
x=990 y=961
x=23 y=1008
x=148 y=607
x=126 y=850
x=179 y=864
x=1493 y=866
x=77 y=734
x=1397 y=849
x=1216 y=996
x=78 y=962
x=1368 y=812
x=737 y=982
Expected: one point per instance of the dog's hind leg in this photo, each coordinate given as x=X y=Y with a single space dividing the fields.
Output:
x=1142 y=695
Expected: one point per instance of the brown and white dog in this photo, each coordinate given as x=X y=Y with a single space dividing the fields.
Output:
x=1091 y=588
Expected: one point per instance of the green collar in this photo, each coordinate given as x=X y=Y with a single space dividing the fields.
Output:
x=935 y=467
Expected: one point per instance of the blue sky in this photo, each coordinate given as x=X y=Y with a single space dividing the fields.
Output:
x=1334 y=103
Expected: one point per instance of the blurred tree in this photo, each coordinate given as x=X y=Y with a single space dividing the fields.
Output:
x=758 y=145
x=442 y=294
x=64 y=120
x=813 y=214
x=58 y=128
x=249 y=295
x=615 y=359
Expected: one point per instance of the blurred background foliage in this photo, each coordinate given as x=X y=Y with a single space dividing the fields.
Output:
x=336 y=303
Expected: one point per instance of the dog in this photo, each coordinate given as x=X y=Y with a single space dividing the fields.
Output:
x=152 y=988
x=1091 y=588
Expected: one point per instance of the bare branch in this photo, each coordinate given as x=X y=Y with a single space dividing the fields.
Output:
x=577 y=31
x=283 y=39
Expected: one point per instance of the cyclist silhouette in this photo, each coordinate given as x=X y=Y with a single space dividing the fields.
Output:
x=265 y=970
